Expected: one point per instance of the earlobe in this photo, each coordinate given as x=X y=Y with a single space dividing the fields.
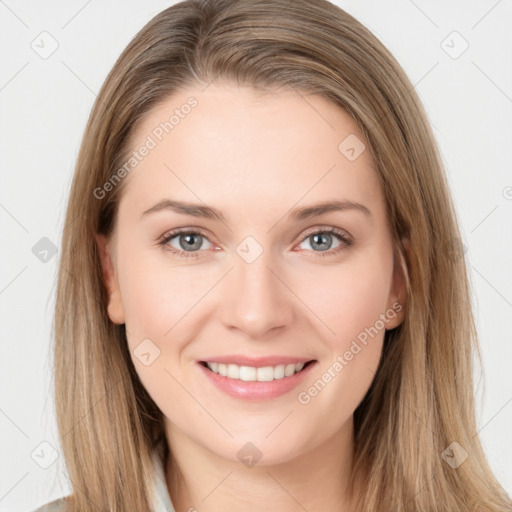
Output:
x=115 y=308
x=398 y=295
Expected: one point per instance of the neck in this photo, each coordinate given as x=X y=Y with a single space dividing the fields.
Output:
x=316 y=479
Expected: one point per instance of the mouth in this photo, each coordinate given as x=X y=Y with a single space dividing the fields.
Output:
x=256 y=373
x=257 y=380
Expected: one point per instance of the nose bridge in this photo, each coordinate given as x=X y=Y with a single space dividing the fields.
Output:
x=257 y=301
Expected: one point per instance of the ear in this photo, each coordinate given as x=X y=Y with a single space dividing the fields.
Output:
x=398 y=292
x=115 y=305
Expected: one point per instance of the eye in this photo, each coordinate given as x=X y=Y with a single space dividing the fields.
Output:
x=321 y=240
x=185 y=243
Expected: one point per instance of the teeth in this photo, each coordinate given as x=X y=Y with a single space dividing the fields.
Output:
x=233 y=371
x=248 y=373
x=289 y=369
x=251 y=374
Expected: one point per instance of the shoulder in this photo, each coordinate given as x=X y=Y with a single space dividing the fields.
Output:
x=53 y=506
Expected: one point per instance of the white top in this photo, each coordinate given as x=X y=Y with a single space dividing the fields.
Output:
x=161 y=500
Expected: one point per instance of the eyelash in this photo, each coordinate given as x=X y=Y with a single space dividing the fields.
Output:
x=346 y=242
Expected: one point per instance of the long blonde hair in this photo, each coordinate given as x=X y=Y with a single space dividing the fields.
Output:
x=421 y=400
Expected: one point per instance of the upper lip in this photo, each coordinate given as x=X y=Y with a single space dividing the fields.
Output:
x=257 y=362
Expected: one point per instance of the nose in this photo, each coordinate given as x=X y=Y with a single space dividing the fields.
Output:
x=255 y=298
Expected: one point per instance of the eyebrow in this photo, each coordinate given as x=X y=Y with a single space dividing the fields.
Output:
x=209 y=212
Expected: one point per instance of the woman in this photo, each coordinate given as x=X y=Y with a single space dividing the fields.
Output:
x=255 y=304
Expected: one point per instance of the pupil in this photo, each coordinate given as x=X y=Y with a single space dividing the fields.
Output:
x=322 y=236
x=188 y=244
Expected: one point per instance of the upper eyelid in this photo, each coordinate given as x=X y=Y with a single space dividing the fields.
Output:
x=328 y=229
x=179 y=231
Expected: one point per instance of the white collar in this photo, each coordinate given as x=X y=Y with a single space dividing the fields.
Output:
x=161 y=499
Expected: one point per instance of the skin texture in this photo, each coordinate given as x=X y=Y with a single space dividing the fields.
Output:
x=254 y=157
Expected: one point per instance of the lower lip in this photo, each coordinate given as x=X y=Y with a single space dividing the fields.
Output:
x=256 y=390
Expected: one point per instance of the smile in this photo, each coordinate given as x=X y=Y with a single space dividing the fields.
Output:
x=260 y=383
x=253 y=374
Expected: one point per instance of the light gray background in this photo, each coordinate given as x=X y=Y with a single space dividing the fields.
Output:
x=44 y=107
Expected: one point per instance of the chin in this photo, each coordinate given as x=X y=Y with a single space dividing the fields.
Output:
x=258 y=450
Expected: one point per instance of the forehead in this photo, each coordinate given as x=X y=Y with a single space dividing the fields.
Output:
x=234 y=146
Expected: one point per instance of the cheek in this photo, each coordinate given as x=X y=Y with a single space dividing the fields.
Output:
x=348 y=299
x=158 y=292
x=163 y=302
x=156 y=301
x=350 y=304
x=353 y=306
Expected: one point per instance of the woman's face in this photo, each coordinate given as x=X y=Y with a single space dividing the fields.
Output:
x=259 y=280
